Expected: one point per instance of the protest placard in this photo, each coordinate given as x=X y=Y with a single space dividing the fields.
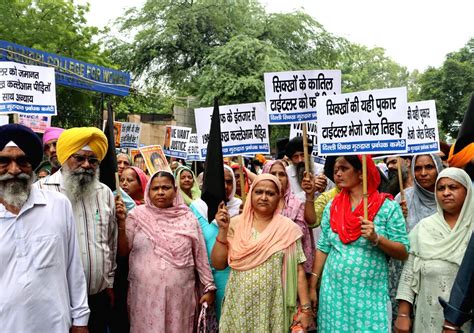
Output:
x=3 y=120
x=176 y=141
x=296 y=129
x=117 y=132
x=155 y=159
x=244 y=129
x=130 y=135
x=193 y=148
x=27 y=89
x=37 y=122
x=291 y=96
x=137 y=159
x=121 y=151
x=422 y=136
x=363 y=122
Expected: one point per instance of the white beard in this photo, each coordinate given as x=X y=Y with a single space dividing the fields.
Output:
x=80 y=183
x=15 y=190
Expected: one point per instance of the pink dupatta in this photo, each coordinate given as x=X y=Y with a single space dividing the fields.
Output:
x=160 y=225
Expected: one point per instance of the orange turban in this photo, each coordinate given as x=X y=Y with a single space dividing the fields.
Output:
x=260 y=158
x=74 y=139
x=462 y=157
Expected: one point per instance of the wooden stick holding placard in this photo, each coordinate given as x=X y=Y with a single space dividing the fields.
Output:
x=364 y=187
x=117 y=186
x=400 y=178
x=243 y=195
x=305 y=148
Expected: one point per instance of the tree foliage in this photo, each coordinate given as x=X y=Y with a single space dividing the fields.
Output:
x=366 y=69
x=208 y=48
x=451 y=86
x=58 y=26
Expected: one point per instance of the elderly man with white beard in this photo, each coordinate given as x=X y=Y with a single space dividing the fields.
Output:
x=42 y=285
x=80 y=151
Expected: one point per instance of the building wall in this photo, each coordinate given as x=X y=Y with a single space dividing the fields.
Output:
x=184 y=117
x=153 y=132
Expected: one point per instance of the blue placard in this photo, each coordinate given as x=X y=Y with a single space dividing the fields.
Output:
x=70 y=72
x=174 y=153
x=363 y=147
x=241 y=150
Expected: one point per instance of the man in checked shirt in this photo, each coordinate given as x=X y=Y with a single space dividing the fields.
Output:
x=80 y=151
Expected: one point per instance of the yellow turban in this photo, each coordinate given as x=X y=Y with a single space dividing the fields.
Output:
x=73 y=139
x=462 y=157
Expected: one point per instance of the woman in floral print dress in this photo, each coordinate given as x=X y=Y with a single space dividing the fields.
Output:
x=263 y=249
x=354 y=269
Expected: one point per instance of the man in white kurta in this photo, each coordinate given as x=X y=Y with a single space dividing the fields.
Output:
x=42 y=283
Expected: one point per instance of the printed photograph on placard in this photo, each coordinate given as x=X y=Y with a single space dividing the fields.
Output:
x=155 y=159
x=117 y=132
x=137 y=159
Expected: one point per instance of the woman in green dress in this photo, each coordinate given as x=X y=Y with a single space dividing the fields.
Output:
x=263 y=250
x=351 y=256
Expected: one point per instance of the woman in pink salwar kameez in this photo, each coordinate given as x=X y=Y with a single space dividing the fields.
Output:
x=166 y=248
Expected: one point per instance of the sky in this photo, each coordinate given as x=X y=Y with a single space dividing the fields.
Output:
x=415 y=33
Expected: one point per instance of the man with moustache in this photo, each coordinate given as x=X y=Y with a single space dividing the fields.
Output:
x=392 y=185
x=80 y=151
x=42 y=285
x=50 y=138
x=295 y=152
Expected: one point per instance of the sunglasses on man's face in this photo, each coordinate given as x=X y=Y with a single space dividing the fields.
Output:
x=93 y=161
x=21 y=161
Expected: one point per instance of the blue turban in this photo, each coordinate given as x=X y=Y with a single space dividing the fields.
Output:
x=25 y=139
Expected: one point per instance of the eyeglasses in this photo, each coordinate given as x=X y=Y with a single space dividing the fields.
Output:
x=21 y=161
x=81 y=159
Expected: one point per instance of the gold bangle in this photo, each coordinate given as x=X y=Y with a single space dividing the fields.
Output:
x=403 y=315
x=315 y=274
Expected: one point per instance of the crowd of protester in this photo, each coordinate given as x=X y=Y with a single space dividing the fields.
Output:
x=289 y=249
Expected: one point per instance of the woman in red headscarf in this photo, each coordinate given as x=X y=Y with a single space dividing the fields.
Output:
x=351 y=256
x=133 y=181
